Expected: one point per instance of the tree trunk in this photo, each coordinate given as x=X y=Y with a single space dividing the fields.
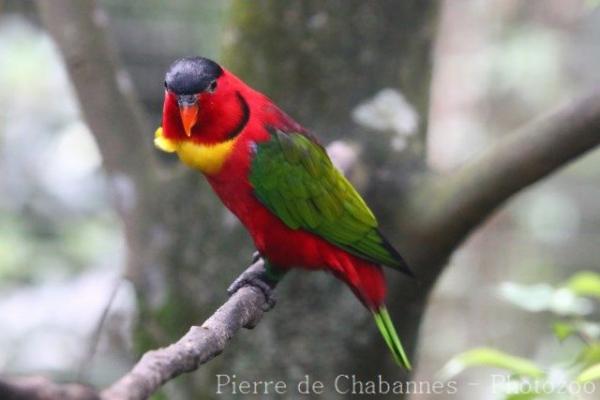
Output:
x=318 y=61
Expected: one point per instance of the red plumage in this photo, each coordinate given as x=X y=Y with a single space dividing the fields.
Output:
x=284 y=247
x=238 y=138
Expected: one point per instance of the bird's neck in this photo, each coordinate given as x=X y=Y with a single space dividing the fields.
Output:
x=222 y=119
x=207 y=158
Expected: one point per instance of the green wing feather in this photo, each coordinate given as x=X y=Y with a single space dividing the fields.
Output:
x=293 y=176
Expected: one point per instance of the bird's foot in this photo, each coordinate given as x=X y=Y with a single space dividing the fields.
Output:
x=255 y=256
x=258 y=278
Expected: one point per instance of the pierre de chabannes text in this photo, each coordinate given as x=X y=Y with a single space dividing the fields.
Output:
x=342 y=384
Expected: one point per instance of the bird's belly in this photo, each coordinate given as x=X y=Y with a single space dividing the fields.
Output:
x=288 y=248
x=283 y=246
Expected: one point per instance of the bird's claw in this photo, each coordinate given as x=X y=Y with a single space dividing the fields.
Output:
x=257 y=279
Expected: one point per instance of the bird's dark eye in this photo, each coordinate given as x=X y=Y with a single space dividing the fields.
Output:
x=212 y=87
x=165 y=83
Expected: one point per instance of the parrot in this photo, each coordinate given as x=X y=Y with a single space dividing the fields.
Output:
x=278 y=180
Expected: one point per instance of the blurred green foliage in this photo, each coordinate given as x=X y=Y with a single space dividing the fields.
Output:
x=563 y=378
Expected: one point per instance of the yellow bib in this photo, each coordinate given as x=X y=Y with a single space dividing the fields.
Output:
x=207 y=158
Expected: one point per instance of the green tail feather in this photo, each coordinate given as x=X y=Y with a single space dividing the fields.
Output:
x=386 y=327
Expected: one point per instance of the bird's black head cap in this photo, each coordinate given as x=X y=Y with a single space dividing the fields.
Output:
x=191 y=75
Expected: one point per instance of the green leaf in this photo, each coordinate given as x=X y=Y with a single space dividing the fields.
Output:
x=590 y=355
x=590 y=374
x=488 y=357
x=522 y=396
x=585 y=283
x=562 y=330
x=586 y=329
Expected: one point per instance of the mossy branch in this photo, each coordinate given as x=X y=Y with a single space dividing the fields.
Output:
x=449 y=207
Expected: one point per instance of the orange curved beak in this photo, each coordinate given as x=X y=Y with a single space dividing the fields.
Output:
x=189 y=115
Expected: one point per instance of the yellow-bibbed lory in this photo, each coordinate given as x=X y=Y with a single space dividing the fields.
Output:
x=278 y=180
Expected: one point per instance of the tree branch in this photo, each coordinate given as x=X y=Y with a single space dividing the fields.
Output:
x=460 y=202
x=40 y=388
x=200 y=345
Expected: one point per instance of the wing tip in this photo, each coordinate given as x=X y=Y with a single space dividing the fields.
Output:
x=400 y=264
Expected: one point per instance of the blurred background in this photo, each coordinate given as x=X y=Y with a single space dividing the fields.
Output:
x=496 y=65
